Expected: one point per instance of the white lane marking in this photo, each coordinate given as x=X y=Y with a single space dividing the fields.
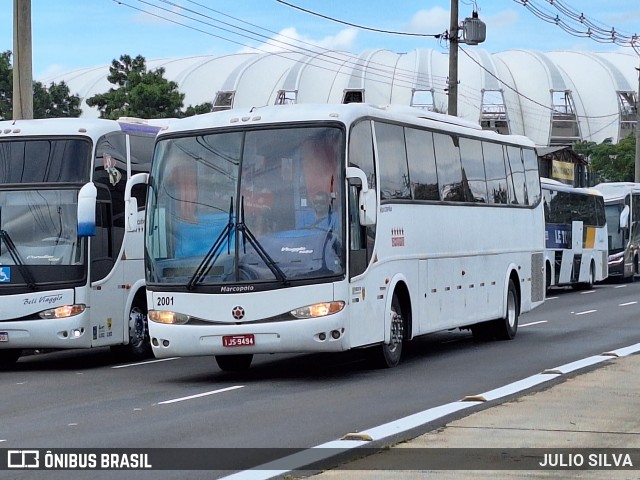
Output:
x=301 y=459
x=313 y=454
x=532 y=323
x=628 y=303
x=590 y=291
x=2 y=441
x=146 y=363
x=578 y=364
x=198 y=395
x=620 y=286
x=551 y=298
x=585 y=312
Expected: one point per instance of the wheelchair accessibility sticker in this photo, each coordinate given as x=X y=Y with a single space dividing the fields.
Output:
x=5 y=274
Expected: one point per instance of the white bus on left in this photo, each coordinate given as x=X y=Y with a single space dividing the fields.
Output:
x=72 y=195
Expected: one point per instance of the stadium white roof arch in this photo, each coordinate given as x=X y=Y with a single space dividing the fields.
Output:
x=554 y=98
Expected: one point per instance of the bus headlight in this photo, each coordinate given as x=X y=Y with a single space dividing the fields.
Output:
x=172 y=318
x=318 y=310
x=62 y=312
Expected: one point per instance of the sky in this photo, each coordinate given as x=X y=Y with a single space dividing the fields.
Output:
x=73 y=34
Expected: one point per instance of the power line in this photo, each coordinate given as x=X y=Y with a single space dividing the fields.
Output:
x=361 y=27
x=382 y=73
x=578 y=24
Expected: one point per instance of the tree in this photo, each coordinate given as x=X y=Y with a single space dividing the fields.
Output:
x=610 y=162
x=6 y=86
x=54 y=101
x=141 y=93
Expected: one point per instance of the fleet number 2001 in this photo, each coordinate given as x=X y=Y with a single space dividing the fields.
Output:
x=164 y=301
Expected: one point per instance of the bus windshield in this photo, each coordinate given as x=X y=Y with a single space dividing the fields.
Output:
x=39 y=227
x=252 y=206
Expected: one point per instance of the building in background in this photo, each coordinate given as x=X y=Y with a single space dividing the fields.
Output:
x=554 y=98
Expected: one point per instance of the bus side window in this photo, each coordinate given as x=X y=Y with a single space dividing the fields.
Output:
x=357 y=235
x=102 y=260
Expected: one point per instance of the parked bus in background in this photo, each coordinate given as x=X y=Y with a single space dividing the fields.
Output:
x=72 y=195
x=575 y=235
x=322 y=228
x=622 y=207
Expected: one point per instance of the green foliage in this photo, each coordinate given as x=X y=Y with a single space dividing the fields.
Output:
x=610 y=162
x=6 y=86
x=54 y=101
x=198 y=109
x=141 y=93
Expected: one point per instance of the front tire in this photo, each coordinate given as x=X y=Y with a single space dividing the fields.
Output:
x=9 y=357
x=139 y=346
x=234 y=363
x=387 y=355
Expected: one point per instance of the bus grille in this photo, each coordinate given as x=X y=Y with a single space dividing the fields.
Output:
x=537 y=278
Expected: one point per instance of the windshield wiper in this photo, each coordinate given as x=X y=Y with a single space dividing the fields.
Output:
x=262 y=253
x=15 y=256
x=212 y=255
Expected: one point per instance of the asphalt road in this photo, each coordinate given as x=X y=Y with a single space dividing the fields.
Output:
x=85 y=399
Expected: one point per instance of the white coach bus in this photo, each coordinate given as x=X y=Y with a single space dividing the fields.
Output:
x=322 y=228
x=575 y=234
x=72 y=193
x=622 y=207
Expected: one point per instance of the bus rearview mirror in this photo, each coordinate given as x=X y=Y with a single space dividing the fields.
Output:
x=131 y=203
x=87 y=210
x=624 y=217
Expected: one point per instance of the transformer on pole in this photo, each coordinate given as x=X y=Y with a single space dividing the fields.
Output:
x=474 y=31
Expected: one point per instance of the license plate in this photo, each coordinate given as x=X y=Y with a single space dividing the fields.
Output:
x=4 y=336
x=245 y=340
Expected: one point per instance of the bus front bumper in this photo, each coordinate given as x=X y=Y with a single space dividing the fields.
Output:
x=68 y=332
x=326 y=334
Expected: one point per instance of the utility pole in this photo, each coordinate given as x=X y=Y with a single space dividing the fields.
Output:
x=452 y=107
x=637 y=162
x=22 y=57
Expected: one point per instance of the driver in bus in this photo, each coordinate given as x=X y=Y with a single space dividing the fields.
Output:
x=326 y=216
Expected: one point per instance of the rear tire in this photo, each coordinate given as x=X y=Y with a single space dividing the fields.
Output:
x=507 y=327
x=234 y=363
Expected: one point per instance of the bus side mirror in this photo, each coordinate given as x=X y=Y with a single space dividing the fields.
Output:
x=624 y=217
x=87 y=210
x=368 y=207
x=367 y=201
x=131 y=203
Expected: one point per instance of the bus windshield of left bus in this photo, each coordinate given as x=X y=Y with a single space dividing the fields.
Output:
x=257 y=206
x=41 y=225
x=39 y=183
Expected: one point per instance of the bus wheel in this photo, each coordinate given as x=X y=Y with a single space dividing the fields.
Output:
x=388 y=355
x=506 y=328
x=139 y=346
x=139 y=343
x=548 y=277
x=9 y=356
x=234 y=363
